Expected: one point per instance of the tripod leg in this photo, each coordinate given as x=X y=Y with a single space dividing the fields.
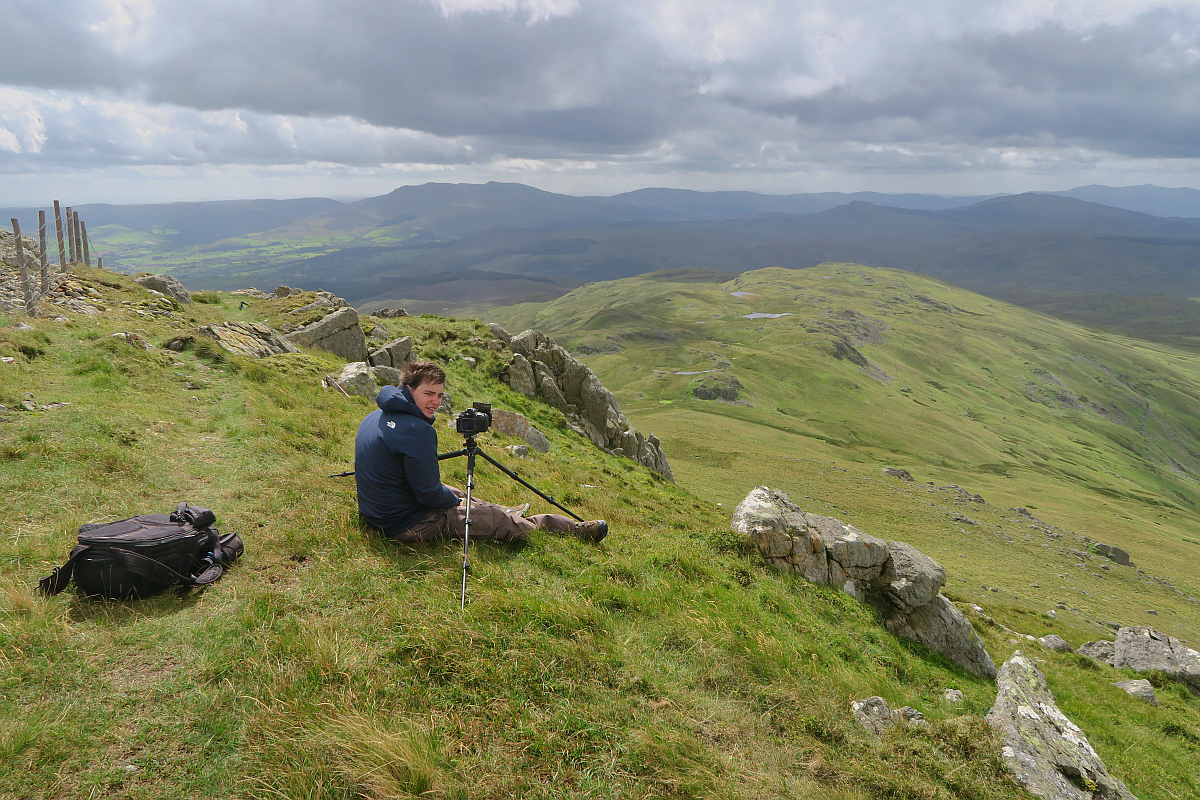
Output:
x=467 y=525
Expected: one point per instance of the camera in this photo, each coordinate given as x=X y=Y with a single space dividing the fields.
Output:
x=476 y=419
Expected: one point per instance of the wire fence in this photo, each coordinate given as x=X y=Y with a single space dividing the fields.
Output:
x=74 y=248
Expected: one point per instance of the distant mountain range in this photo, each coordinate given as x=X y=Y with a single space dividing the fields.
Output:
x=442 y=245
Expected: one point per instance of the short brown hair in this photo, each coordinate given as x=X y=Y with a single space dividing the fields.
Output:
x=414 y=373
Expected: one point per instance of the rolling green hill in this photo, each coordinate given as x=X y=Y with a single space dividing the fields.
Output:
x=860 y=368
x=666 y=662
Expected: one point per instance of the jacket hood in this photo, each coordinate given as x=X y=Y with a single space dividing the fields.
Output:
x=398 y=400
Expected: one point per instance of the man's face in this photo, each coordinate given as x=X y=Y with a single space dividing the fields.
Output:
x=428 y=396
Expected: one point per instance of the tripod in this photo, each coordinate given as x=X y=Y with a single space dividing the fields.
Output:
x=471 y=449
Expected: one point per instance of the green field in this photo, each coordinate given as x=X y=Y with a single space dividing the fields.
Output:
x=668 y=661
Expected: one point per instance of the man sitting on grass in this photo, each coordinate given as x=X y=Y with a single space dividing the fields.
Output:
x=400 y=490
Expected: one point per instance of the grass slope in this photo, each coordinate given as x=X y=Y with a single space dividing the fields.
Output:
x=870 y=367
x=667 y=661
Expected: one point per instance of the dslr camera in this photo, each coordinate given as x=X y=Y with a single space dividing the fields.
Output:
x=475 y=420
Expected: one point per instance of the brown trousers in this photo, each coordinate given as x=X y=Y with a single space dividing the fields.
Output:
x=488 y=521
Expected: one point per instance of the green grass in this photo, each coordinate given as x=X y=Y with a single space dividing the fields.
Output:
x=668 y=661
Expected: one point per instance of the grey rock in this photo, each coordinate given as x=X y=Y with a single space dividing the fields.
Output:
x=499 y=332
x=537 y=440
x=471 y=362
x=897 y=472
x=952 y=696
x=389 y=313
x=827 y=551
x=874 y=714
x=378 y=334
x=518 y=450
x=1139 y=688
x=250 y=339
x=1114 y=554
x=520 y=376
x=286 y=291
x=1101 y=651
x=913 y=718
x=168 y=285
x=1047 y=753
x=910 y=577
x=1055 y=642
x=357 y=378
x=1144 y=649
x=386 y=376
x=338 y=333
x=510 y=423
x=941 y=627
x=395 y=353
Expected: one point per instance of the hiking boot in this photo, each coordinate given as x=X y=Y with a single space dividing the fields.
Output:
x=518 y=510
x=592 y=531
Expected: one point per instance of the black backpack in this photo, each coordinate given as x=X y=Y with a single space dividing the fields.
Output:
x=143 y=555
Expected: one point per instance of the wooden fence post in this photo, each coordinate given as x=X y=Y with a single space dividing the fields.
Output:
x=78 y=241
x=87 y=257
x=70 y=238
x=62 y=247
x=45 y=265
x=28 y=288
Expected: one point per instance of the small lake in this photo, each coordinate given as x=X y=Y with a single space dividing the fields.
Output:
x=697 y=372
x=760 y=315
x=743 y=294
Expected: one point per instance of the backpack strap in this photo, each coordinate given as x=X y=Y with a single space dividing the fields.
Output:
x=146 y=567
x=58 y=580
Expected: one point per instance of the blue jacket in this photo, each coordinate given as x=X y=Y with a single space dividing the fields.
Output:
x=395 y=464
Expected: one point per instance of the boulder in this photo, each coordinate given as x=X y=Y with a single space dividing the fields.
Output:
x=1144 y=649
x=1114 y=554
x=389 y=313
x=1140 y=689
x=499 y=332
x=357 y=378
x=250 y=339
x=395 y=353
x=941 y=627
x=1047 y=753
x=1099 y=651
x=537 y=440
x=952 y=696
x=891 y=576
x=911 y=578
x=386 y=375
x=1055 y=642
x=287 y=291
x=338 y=333
x=510 y=423
x=168 y=285
x=897 y=472
x=520 y=376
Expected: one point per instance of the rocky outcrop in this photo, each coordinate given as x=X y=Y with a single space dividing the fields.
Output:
x=1098 y=651
x=168 y=285
x=338 y=333
x=895 y=578
x=395 y=353
x=510 y=423
x=250 y=339
x=540 y=368
x=1047 y=753
x=1143 y=649
x=1114 y=554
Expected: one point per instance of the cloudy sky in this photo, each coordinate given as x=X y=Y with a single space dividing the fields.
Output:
x=153 y=100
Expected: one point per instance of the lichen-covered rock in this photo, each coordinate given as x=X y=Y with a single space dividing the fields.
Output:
x=1047 y=753
x=395 y=353
x=874 y=714
x=168 y=285
x=510 y=423
x=1140 y=689
x=1144 y=649
x=389 y=376
x=250 y=339
x=338 y=333
x=854 y=557
x=1099 y=651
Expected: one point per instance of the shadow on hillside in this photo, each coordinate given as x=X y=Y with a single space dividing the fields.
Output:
x=434 y=556
x=123 y=612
